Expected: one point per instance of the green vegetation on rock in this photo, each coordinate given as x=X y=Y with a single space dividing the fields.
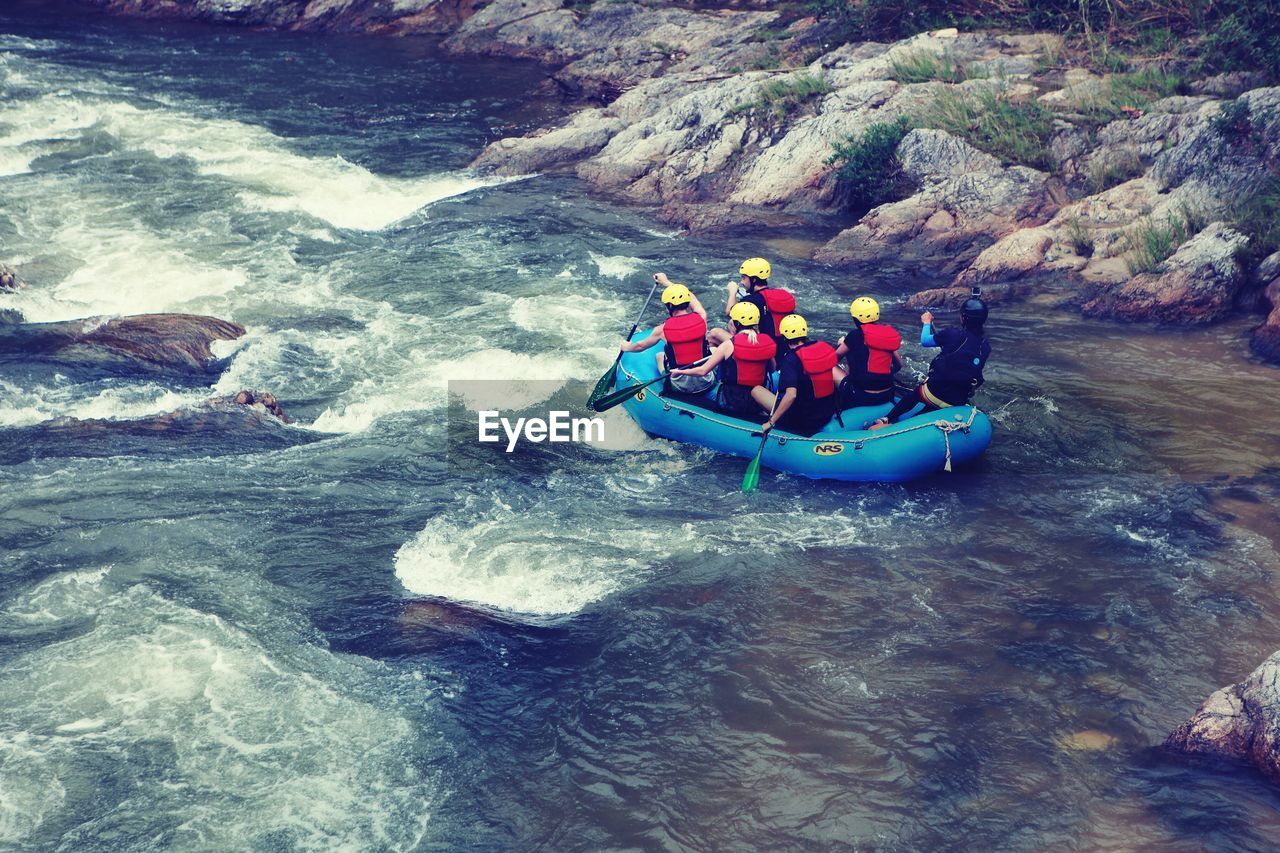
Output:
x=781 y=97
x=921 y=66
x=1224 y=35
x=1152 y=241
x=868 y=173
x=1015 y=131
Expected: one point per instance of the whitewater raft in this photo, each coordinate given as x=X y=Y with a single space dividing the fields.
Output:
x=916 y=446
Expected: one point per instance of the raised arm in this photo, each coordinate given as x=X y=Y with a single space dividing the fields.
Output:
x=926 y=330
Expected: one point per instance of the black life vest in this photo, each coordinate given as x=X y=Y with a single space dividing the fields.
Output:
x=961 y=368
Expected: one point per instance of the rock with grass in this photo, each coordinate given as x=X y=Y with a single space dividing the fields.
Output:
x=1240 y=722
x=1197 y=284
x=1230 y=144
x=967 y=201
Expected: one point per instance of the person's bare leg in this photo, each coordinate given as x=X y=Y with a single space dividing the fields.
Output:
x=764 y=397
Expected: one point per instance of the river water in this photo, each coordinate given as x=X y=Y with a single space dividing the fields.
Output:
x=364 y=642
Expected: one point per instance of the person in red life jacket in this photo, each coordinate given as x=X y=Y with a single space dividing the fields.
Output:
x=956 y=372
x=684 y=336
x=753 y=286
x=806 y=398
x=871 y=351
x=745 y=361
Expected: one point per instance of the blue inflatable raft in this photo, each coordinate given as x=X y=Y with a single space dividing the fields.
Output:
x=914 y=447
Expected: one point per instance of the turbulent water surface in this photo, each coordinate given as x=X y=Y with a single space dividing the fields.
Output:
x=363 y=641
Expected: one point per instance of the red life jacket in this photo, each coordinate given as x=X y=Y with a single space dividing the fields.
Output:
x=751 y=360
x=780 y=303
x=882 y=342
x=686 y=338
x=817 y=359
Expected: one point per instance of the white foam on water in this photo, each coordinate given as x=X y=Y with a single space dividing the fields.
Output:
x=616 y=266
x=27 y=406
x=273 y=177
x=495 y=557
x=574 y=317
x=622 y=433
x=341 y=193
x=196 y=729
x=125 y=271
x=419 y=378
x=30 y=128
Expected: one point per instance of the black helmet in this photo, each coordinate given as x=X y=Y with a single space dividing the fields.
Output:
x=973 y=309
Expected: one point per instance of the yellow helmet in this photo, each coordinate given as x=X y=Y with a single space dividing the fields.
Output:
x=745 y=314
x=755 y=267
x=865 y=309
x=793 y=326
x=676 y=294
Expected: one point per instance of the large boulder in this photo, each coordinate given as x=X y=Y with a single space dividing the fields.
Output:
x=1225 y=158
x=967 y=201
x=1239 y=722
x=176 y=345
x=1198 y=284
x=1266 y=337
x=582 y=136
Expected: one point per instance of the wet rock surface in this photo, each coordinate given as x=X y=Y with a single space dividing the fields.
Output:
x=174 y=345
x=220 y=426
x=1240 y=722
x=1198 y=284
x=1266 y=337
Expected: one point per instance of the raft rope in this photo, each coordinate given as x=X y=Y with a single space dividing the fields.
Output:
x=944 y=426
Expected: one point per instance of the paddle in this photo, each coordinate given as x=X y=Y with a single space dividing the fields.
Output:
x=608 y=401
x=751 y=479
x=606 y=381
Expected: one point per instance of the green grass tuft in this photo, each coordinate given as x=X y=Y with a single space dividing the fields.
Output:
x=868 y=173
x=921 y=66
x=1152 y=242
x=1014 y=131
x=783 y=96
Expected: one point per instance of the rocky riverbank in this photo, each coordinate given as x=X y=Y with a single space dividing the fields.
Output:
x=1124 y=195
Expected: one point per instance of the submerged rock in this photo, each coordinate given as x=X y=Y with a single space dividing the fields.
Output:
x=9 y=280
x=176 y=345
x=265 y=399
x=246 y=423
x=1239 y=722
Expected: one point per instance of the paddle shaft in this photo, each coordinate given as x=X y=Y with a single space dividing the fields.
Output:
x=752 y=478
x=624 y=394
x=639 y=316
